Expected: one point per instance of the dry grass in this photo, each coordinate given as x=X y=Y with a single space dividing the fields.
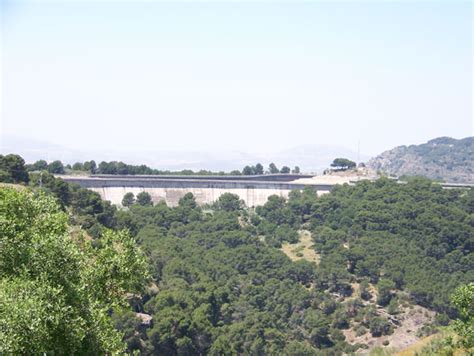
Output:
x=302 y=250
x=416 y=347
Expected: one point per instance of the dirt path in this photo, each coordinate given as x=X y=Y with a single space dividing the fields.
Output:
x=416 y=347
x=302 y=249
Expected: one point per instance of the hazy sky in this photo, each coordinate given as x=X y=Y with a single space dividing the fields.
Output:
x=251 y=76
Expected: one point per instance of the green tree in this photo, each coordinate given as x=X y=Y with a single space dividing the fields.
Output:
x=248 y=171
x=40 y=165
x=384 y=288
x=296 y=170
x=272 y=168
x=90 y=166
x=379 y=326
x=463 y=300
x=188 y=201
x=343 y=164
x=258 y=169
x=144 y=199
x=285 y=169
x=364 y=292
x=12 y=169
x=229 y=202
x=56 y=291
x=78 y=166
x=128 y=199
x=56 y=167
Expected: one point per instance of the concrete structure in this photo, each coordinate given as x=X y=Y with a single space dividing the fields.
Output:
x=253 y=190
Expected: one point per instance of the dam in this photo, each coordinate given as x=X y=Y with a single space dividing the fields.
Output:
x=253 y=190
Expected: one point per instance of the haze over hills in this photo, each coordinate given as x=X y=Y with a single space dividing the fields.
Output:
x=310 y=157
x=443 y=158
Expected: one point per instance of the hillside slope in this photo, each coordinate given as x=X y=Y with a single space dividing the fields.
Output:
x=442 y=158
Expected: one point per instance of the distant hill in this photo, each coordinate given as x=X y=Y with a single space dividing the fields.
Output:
x=442 y=158
x=309 y=157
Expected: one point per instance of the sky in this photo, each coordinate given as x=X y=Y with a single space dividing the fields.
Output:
x=248 y=76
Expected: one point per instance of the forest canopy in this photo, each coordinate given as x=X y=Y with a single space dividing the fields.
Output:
x=220 y=282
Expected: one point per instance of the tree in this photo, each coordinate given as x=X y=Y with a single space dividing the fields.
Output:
x=144 y=199
x=56 y=291
x=248 y=171
x=107 y=168
x=343 y=164
x=258 y=169
x=384 y=288
x=188 y=201
x=56 y=167
x=128 y=199
x=272 y=168
x=12 y=169
x=229 y=202
x=40 y=165
x=379 y=326
x=296 y=170
x=90 y=166
x=364 y=291
x=463 y=300
x=78 y=166
x=285 y=169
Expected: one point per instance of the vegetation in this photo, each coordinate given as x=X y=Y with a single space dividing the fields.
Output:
x=56 y=167
x=461 y=339
x=56 y=290
x=417 y=235
x=121 y=168
x=220 y=284
x=12 y=169
x=463 y=300
x=272 y=168
x=86 y=207
x=219 y=280
x=221 y=289
x=128 y=199
x=144 y=199
x=343 y=164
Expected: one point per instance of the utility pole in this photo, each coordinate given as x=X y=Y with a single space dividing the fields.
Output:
x=358 y=151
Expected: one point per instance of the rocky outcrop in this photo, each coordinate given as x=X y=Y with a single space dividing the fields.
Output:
x=444 y=158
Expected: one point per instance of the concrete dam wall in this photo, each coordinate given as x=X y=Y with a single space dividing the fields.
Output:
x=206 y=190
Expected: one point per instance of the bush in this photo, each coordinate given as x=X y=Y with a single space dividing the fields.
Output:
x=379 y=326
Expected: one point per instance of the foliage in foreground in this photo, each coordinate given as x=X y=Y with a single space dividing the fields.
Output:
x=460 y=338
x=56 y=291
x=463 y=299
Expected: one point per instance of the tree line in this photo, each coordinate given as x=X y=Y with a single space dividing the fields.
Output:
x=121 y=168
x=13 y=168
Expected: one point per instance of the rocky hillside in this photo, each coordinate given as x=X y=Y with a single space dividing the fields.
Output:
x=442 y=158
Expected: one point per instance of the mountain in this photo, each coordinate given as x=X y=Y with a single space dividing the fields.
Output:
x=442 y=158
